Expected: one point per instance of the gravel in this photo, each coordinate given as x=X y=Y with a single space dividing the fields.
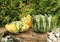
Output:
x=7 y=39
x=54 y=35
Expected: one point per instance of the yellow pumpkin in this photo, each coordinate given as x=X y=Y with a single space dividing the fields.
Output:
x=27 y=20
x=10 y=27
x=19 y=26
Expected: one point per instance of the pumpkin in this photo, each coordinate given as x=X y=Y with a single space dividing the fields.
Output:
x=19 y=26
x=10 y=27
x=27 y=20
x=43 y=23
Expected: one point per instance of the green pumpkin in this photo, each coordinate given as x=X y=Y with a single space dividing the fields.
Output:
x=43 y=23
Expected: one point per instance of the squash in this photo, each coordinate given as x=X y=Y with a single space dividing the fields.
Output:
x=27 y=20
x=43 y=23
x=10 y=27
x=19 y=26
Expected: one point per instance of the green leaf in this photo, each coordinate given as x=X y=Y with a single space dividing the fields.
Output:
x=1 y=35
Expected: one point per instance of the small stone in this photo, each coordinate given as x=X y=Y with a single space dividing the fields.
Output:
x=3 y=40
x=50 y=34
x=48 y=40
x=52 y=37
x=8 y=36
x=57 y=34
x=6 y=39
x=10 y=39
x=59 y=39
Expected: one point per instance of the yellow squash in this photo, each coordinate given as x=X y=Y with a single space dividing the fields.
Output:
x=10 y=27
x=27 y=20
x=19 y=26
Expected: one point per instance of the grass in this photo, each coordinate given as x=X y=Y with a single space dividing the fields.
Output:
x=1 y=35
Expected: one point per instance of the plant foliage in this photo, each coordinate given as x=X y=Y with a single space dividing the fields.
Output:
x=12 y=10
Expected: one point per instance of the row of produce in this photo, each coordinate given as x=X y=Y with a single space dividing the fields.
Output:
x=39 y=23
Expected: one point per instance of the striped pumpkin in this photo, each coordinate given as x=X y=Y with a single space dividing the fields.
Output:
x=43 y=23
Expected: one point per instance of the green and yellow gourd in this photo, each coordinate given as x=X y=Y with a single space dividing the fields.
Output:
x=14 y=27
x=43 y=23
x=19 y=26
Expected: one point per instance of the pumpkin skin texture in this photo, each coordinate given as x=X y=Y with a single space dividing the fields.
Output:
x=19 y=26
x=27 y=20
x=11 y=28
x=43 y=23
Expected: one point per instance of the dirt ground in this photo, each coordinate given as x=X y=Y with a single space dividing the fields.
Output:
x=28 y=36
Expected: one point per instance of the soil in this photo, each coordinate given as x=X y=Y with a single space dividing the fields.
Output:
x=28 y=36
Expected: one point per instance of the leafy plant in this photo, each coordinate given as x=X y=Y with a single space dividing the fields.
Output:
x=9 y=11
x=12 y=10
x=1 y=35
